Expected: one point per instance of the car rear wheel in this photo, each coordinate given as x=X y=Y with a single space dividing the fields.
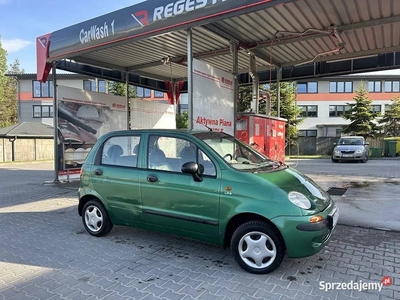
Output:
x=95 y=218
x=257 y=247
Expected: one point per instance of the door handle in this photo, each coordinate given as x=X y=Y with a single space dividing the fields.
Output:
x=152 y=178
x=98 y=172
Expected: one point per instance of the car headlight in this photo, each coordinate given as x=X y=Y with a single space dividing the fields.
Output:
x=336 y=151
x=299 y=200
x=360 y=151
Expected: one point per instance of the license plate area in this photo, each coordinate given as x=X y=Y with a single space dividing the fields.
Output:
x=347 y=155
x=333 y=217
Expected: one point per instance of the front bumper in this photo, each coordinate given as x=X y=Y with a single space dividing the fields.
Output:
x=303 y=238
x=355 y=156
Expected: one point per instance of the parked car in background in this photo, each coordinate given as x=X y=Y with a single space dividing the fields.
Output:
x=350 y=148
x=208 y=186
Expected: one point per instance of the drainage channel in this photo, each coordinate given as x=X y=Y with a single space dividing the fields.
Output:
x=335 y=191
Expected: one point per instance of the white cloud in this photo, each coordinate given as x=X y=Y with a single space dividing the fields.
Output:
x=14 y=45
x=4 y=1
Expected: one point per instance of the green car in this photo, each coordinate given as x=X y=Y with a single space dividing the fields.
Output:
x=208 y=186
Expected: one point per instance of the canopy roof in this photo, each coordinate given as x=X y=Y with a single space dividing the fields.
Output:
x=306 y=38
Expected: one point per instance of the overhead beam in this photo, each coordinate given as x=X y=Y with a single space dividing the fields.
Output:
x=242 y=44
x=344 y=56
x=113 y=75
x=315 y=35
x=180 y=59
x=386 y=61
x=97 y=63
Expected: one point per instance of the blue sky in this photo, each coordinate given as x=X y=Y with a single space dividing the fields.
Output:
x=21 y=21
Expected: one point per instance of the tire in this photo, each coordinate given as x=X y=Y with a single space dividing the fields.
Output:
x=334 y=160
x=267 y=246
x=365 y=159
x=95 y=218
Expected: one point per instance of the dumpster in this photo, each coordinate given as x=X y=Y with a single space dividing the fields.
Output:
x=376 y=152
x=390 y=147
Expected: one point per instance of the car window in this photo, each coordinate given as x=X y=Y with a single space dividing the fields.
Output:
x=170 y=153
x=351 y=141
x=121 y=151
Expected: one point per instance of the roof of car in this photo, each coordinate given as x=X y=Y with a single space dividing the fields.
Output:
x=154 y=130
x=352 y=137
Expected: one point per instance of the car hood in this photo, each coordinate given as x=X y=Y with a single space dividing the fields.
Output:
x=290 y=179
x=349 y=147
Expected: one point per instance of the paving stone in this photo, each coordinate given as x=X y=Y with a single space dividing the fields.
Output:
x=46 y=254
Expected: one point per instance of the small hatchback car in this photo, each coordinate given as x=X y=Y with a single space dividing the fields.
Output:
x=350 y=148
x=207 y=186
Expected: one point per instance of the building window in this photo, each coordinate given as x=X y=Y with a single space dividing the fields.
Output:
x=388 y=107
x=392 y=86
x=42 y=111
x=308 y=111
x=307 y=87
x=341 y=87
x=90 y=85
x=307 y=132
x=102 y=86
x=143 y=93
x=374 y=86
x=43 y=89
x=376 y=108
x=338 y=110
x=158 y=94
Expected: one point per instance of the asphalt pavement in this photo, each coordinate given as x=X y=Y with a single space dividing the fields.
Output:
x=371 y=191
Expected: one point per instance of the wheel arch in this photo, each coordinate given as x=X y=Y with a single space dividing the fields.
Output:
x=85 y=199
x=242 y=218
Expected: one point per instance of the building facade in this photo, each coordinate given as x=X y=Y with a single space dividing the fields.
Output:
x=35 y=99
x=323 y=101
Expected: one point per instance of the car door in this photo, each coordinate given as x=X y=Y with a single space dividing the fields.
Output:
x=173 y=201
x=116 y=179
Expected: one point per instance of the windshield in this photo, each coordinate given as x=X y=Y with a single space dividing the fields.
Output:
x=238 y=154
x=351 y=141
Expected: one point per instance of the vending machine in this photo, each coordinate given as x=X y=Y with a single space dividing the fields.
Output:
x=264 y=133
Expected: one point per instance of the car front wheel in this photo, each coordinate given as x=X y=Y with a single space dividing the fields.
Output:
x=257 y=247
x=95 y=218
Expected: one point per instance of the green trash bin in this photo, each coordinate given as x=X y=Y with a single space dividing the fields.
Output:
x=376 y=152
x=390 y=148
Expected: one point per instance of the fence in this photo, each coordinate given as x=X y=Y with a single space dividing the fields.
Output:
x=323 y=145
x=26 y=149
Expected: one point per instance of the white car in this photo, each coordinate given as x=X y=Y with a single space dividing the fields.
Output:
x=350 y=148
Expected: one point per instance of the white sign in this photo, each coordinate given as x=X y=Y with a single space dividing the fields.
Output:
x=213 y=103
x=148 y=114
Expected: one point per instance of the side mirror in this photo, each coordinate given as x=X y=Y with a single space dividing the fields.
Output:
x=194 y=169
x=366 y=144
x=334 y=144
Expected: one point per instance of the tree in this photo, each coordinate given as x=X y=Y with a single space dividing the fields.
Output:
x=288 y=107
x=8 y=91
x=182 y=120
x=119 y=89
x=391 y=119
x=361 y=116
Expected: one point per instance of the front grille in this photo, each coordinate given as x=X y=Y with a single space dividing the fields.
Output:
x=347 y=152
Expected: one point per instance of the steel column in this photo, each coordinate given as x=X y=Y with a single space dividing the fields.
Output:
x=190 y=76
x=55 y=124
